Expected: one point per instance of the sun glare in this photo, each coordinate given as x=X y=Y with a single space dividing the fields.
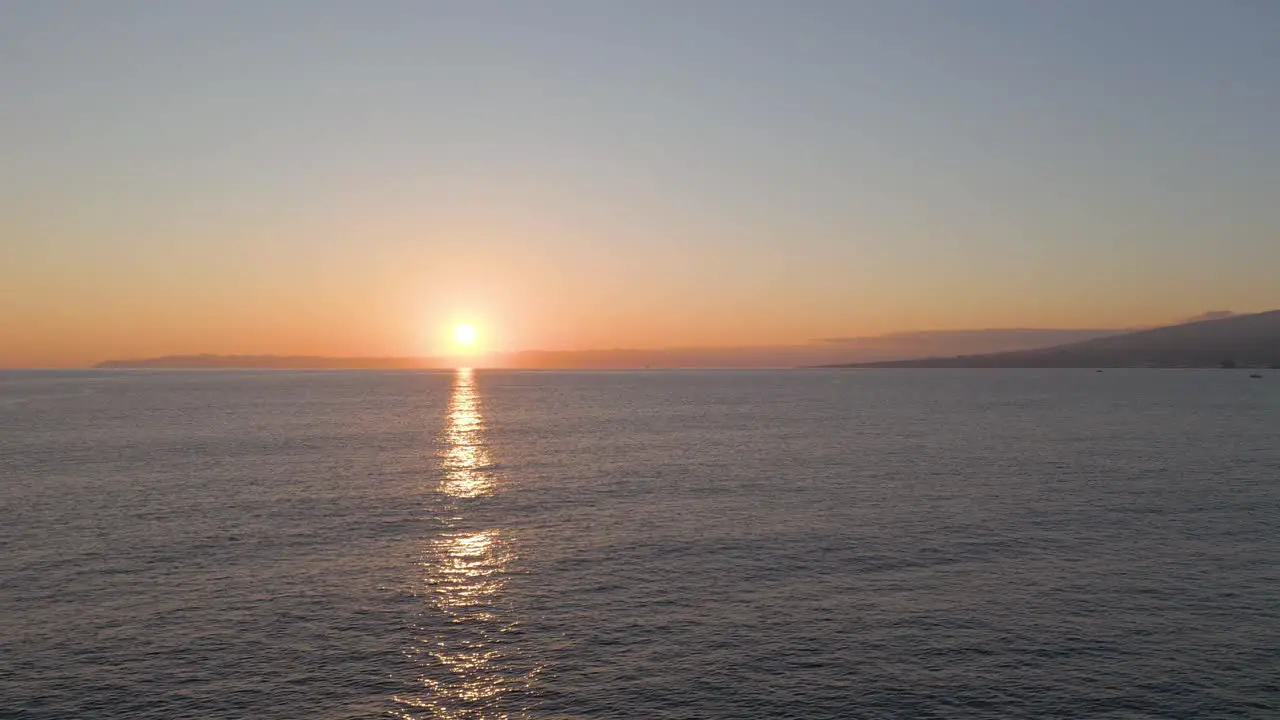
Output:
x=464 y=334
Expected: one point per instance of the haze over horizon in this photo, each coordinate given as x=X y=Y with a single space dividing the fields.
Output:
x=820 y=352
x=343 y=179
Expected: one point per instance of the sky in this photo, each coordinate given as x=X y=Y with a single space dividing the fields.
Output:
x=356 y=178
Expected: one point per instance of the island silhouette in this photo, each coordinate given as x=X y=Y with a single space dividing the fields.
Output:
x=819 y=351
x=1214 y=340
x=1247 y=341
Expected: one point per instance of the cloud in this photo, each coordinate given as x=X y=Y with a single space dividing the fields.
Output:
x=966 y=342
x=1211 y=315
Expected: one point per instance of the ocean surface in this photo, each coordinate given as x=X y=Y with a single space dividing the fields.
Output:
x=701 y=544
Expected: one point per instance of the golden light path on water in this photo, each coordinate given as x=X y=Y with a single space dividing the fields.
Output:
x=467 y=467
x=469 y=667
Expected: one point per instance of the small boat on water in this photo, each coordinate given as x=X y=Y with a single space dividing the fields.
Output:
x=1256 y=375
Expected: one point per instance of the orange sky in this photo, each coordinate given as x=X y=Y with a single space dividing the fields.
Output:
x=67 y=314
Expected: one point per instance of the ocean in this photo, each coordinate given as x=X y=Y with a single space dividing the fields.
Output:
x=666 y=544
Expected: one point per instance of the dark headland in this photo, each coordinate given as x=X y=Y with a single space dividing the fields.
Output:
x=1238 y=341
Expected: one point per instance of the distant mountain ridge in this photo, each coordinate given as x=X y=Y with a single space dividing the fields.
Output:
x=1245 y=340
x=892 y=346
x=1251 y=340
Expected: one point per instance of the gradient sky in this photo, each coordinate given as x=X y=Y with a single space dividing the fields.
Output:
x=348 y=178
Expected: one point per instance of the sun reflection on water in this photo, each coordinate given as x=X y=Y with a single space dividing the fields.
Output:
x=467 y=468
x=471 y=667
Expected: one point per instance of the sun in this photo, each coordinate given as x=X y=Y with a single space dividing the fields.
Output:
x=464 y=334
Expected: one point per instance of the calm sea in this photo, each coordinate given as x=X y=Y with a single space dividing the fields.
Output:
x=720 y=544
